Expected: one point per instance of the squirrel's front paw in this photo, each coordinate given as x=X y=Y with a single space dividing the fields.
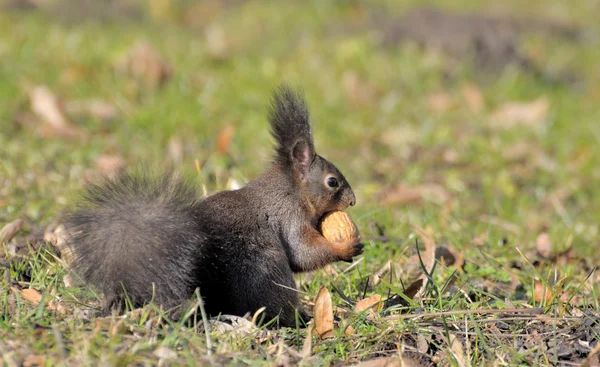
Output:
x=351 y=248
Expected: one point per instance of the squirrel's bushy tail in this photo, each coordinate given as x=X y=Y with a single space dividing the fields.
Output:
x=136 y=237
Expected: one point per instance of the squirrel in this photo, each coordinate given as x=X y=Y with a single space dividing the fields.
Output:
x=144 y=237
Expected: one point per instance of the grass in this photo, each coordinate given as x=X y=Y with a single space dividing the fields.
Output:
x=487 y=192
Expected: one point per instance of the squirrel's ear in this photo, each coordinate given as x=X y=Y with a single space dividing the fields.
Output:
x=302 y=156
x=291 y=129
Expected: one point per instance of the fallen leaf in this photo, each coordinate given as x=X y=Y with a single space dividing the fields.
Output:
x=175 y=150
x=375 y=278
x=481 y=240
x=402 y=194
x=323 y=314
x=445 y=256
x=460 y=261
x=10 y=230
x=94 y=108
x=348 y=328
x=543 y=245
x=390 y=362
x=118 y=328
x=451 y=156
x=199 y=14
x=440 y=102
x=428 y=260
x=330 y=271
x=414 y=288
x=144 y=63
x=373 y=302
x=567 y=257
x=473 y=97
x=31 y=295
x=357 y=90
x=514 y=114
x=541 y=292
x=307 y=346
x=224 y=138
x=110 y=164
x=60 y=242
x=34 y=360
x=164 y=353
x=458 y=351
x=47 y=107
x=217 y=44
x=422 y=344
x=231 y=324
x=499 y=222
x=591 y=360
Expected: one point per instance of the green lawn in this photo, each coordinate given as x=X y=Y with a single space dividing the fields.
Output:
x=484 y=159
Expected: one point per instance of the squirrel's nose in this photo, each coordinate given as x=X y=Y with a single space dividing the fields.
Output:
x=352 y=200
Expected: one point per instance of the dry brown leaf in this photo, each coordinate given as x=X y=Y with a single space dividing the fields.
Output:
x=375 y=278
x=323 y=314
x=458 y=351
x=402 y=194
x=502 y=223
x=35 y=297
x=110 y=164
x=118 y=328
x=357 y=91
x=34 y=360
x=348 y=328
x=445 y=256
x=414 y=288
x=94 y=108
x=591 y=360
x=481 y=239
x=373 y=302
x=224 y=138
x=390 y=362
x=31 y=295
x=218 y=45
x=48 y=108
x=541 y=292
x=175 y=150
x=200 y=13
x=440 y=102
x=165 y=353
x=514 y=114
x=543 y=245
x=10 y=230
x=422 y=344
x=71 y=74
x=450 y=156
x=460 y=261
x=427 y=258
x=144 y=63
x=567 y=257
x=61 y=236
x=307 y=346
x=330 y=271
x=473 y=97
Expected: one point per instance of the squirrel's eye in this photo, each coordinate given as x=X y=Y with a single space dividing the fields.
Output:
x=332 y=182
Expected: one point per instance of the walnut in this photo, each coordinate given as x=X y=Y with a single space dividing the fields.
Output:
x=338 y=227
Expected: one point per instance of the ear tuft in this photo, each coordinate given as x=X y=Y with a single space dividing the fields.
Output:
x=290 y=127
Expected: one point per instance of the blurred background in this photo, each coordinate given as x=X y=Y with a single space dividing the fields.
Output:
x=477 y=121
